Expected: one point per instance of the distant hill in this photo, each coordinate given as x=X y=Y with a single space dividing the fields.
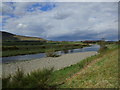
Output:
x=6 y=36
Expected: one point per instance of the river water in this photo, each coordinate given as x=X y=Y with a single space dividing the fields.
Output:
x=42 y=55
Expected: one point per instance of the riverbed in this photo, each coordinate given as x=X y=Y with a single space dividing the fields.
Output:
x=43 y=55
x=49 y=62
x=63 y=61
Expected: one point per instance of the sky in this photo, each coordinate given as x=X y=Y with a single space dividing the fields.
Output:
x=61 y=21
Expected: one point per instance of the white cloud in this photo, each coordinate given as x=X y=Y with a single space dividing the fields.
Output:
x=66 y=19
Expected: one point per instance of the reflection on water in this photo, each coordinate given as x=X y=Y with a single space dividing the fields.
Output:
x=42 y=55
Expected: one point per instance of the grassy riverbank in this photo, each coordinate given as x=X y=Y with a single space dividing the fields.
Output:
x=102 y=72
x=18 y=48
x=96 y=71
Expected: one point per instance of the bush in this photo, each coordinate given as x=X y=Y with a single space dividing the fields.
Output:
x=51 y=53
x=103 y=49
x=103 y=46
x=65 y=51
x=36 y=79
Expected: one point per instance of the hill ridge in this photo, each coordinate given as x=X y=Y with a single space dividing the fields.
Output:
x=7 y=36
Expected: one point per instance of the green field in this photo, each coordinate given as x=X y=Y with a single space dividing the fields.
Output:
x=22 y=48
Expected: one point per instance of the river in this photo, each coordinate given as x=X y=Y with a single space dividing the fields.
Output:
x=42 y=55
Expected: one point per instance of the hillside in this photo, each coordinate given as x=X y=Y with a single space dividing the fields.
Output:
x=6 y=36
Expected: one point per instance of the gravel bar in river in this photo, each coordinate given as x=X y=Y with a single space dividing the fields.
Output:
x=48 y=62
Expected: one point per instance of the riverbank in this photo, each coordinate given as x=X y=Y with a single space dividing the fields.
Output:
x=43 y=55
x=102 y=72
x=49 y=62
x=25 y=48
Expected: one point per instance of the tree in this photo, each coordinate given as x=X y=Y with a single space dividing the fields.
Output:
x=102 y=45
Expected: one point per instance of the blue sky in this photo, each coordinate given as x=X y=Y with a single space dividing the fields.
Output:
x=62 y=20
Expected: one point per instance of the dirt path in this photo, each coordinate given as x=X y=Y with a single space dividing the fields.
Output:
x=49 y=62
